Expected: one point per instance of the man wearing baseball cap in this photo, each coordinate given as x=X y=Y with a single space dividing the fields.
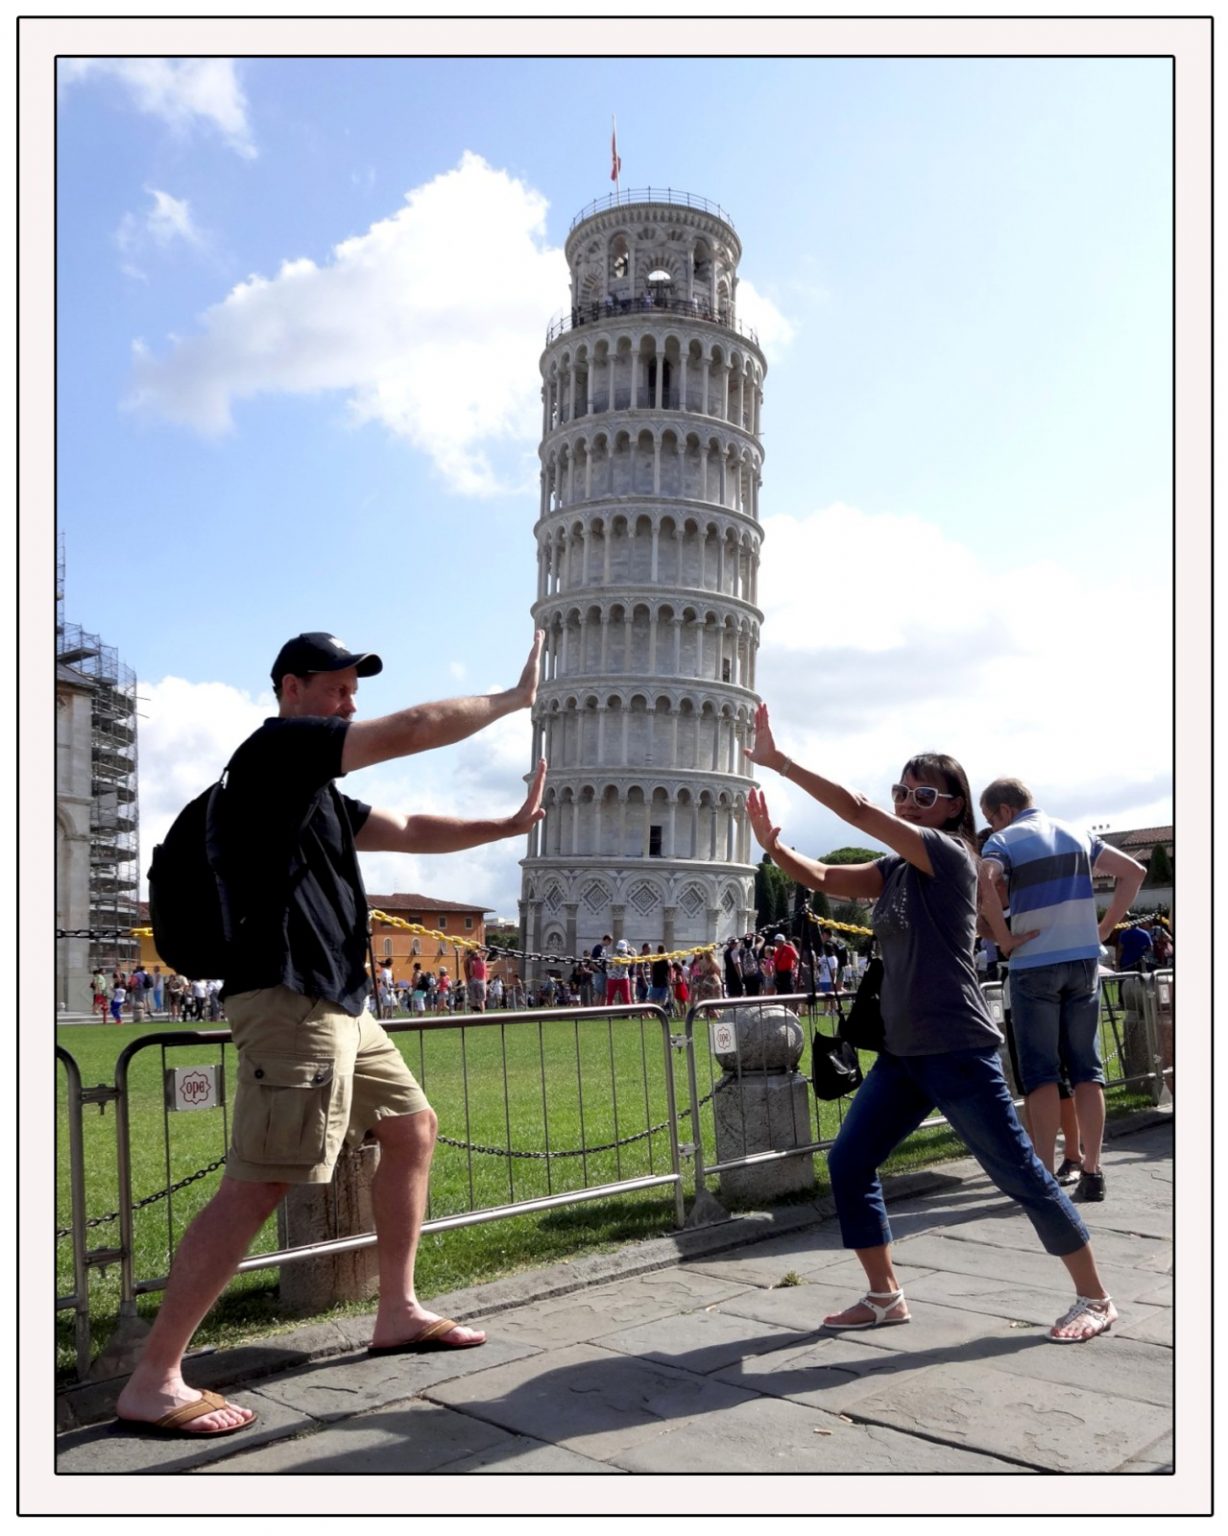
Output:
x=315 y=1070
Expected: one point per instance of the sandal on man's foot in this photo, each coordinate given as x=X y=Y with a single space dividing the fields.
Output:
x=1099 y=1315
x=878 y=1302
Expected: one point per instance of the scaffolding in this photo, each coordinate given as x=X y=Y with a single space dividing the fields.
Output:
x=114 y=817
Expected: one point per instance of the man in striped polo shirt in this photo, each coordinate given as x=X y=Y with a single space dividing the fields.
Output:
x=1045 y=869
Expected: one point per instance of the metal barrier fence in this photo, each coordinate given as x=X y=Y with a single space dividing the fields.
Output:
x=79 y=1300
x=532 y=1080
x=588 y=1091
x=1132 y=1047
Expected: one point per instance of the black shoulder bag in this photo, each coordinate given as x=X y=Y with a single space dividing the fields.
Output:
x=863 y=1026
x=834 y=1068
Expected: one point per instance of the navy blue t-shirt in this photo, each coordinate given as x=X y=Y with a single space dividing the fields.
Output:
x=294 y=876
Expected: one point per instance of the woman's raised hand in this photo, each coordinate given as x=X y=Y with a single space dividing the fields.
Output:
x=766 y=834
x=764 y=750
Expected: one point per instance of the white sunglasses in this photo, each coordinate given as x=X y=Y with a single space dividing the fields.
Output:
x=924 y=795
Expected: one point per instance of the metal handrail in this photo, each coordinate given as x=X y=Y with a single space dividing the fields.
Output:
x=614 y=308
x=634 y=195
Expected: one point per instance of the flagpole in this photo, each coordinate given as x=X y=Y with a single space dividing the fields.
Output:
x=618 y=165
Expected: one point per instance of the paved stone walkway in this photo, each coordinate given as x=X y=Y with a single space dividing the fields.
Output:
x=701 y=1353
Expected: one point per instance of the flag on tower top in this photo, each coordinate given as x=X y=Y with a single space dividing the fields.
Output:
x=616 y=164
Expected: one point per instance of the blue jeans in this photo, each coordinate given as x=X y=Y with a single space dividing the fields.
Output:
x=1055 y=1010
x=970 y=1090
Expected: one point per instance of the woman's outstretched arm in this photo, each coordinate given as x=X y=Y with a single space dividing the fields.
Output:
x=900 y=836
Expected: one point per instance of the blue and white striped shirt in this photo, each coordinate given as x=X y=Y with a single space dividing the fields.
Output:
x=1049 y=865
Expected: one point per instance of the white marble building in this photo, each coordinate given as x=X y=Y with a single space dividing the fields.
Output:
x=648 y=555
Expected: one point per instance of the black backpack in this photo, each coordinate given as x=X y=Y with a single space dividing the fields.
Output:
x=189 y=904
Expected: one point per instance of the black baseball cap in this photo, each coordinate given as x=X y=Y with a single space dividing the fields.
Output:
x=318 y=651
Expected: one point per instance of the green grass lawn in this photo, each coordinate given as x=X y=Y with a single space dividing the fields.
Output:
x=560 y=1086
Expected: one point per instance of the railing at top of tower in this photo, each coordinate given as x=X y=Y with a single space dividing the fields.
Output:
x=660 y=302
x=651 y=195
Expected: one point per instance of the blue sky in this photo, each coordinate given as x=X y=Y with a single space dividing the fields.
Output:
x=300 y=308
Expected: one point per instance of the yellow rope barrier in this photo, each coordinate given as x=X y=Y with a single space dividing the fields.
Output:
x=828 y=922
x=387 y=921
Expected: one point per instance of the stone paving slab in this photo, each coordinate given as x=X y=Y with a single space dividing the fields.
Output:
x=413 y=1438
x=109 y=1448
x=1111 y=1363
x=591 y=1400
x=1157 y=1295
x=770 y=1435
x=828 y=1372
x=590 y=1314
x=768 y=1263
x=1032 y=1267
x=703 y=1342
x=1156 y=1458
x=1016 y=1232
x=1002 y=1298
x=1148 y=1327
x=1049 y=1426
x=520 y=1456
x=341 y=1389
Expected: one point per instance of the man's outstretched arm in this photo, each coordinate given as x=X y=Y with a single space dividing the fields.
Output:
x=424 y=726
x=390 y=832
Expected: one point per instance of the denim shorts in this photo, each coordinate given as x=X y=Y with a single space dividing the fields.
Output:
x=1055 y=1010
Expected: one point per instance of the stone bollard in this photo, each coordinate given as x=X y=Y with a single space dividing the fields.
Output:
x=762 y=1104
x=315 y=1213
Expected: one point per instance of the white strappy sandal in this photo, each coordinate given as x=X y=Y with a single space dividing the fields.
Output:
x=1100 y=1311
x=880 y=1303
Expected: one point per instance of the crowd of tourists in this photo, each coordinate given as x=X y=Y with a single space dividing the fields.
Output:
x=149 y=993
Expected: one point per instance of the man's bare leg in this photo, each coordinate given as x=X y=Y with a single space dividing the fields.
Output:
x=204 y=1263
x=1070 y=1130
x=1044 y=1117
x=398 y=1200
x=1089 y=1104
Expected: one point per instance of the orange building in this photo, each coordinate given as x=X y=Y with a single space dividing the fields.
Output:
x=462 y=924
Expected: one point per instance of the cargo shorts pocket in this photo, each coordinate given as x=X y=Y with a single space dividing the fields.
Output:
x=283 y=1110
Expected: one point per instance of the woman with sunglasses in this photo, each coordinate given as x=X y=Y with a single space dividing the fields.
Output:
x=941 y=1046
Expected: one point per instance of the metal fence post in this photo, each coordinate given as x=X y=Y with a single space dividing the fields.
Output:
x=79 y=1301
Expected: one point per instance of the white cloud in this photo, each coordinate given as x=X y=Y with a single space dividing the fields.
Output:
x=187 y=733
x=430 y=323
x=756 y=310
x=182 y=92
x=168 y=220
x=884 y=637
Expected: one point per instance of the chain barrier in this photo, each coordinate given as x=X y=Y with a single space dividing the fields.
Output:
x=158 y=1194
x=463 y=1146
x=608 y=1146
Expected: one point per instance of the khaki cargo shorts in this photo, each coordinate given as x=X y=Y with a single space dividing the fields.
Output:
x=311 y=1078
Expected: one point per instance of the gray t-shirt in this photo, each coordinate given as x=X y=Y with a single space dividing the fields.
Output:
x=925 y=926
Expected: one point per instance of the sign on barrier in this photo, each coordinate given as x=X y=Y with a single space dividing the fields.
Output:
x=194 y=1087
x=723 y=1035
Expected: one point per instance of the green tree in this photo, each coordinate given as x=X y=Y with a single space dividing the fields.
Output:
x=851 y=856
x=773 y=893
x=503 y=935
x=1159 y=867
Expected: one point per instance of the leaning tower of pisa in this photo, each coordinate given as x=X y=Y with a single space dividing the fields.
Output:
x=647 y=573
